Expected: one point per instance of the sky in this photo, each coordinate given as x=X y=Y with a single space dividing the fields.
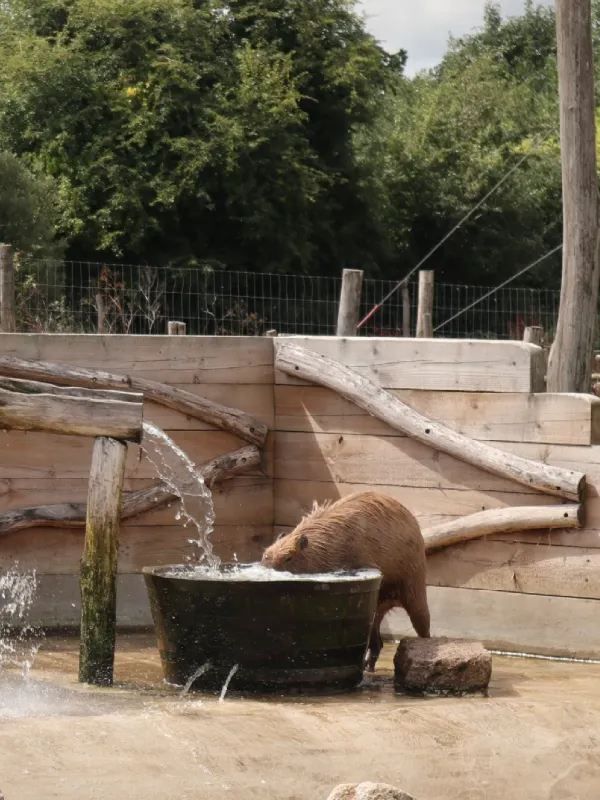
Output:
x=422 y=27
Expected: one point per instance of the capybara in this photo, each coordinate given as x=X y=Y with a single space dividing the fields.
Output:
x=366 y=529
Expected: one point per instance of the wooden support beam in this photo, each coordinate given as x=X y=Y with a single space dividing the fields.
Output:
x=71 y=415
x=405 y=310
x=309 y=366
x=39 y=387
x=502 y=520
x=229 y=419
x=99 y=562
x=8 y=322
x=425 y=304
x=349 y=307
x=73 y=515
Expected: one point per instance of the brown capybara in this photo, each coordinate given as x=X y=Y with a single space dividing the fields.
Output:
x=366 y=529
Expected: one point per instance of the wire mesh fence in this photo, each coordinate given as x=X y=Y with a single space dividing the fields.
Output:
x=78 y=297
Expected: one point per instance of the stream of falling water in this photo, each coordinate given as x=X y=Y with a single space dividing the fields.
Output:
x=19 y=641
x=183 y=479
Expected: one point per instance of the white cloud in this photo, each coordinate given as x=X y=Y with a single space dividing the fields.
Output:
x=422 y=27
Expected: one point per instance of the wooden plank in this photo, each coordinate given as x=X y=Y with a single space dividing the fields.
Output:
x=502 y=417
x=246 y=498
x=517 y=567
x=57 y=602
x=438 y=364
x=430 y=506
x=379 y=460
x=55 y=551
x=559 y=626
x=40 y=455
x=170 y=359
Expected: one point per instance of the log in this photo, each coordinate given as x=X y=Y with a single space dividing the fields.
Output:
x=73 y=515
x=229 y=419
x=349 y=306
x=39 y=387
x=71 y=415
x=99 y=562
x=502 y=520
x=309 y=366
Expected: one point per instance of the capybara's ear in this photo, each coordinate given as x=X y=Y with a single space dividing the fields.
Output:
x=302 y=542
x=280 y=535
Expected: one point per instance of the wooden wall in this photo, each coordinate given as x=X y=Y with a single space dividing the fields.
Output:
x=38 y=468
x=534 y=592
x=530 y=591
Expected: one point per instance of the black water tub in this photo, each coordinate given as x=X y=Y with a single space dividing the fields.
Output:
x=286 y=633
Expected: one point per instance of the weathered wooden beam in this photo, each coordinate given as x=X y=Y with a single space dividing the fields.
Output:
x=73 y=515
x=502 y=520
x=229 y=419
x=71 y=415
x=40 y=387
x=349 y=305
x=99 y=562
x=307 y=365
x=7 y=290
x=425 y=304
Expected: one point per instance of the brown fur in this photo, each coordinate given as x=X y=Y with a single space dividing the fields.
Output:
x=367 y=529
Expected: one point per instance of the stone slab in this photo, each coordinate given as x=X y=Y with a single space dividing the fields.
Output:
x=442 y=665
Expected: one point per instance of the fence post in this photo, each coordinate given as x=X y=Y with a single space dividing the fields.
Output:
x=349 y=307
x=101 y=312
x=405 y=310
x=425 y=305
x=99 y=562
x=7 y=290
x=176 y=328
x=534 y=334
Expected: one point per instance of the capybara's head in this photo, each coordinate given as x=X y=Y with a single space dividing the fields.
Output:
x=287 y=553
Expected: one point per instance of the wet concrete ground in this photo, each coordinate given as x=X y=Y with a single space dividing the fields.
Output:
x=536 y=736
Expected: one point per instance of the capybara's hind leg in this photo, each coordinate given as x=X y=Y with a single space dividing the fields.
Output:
x=375 y=640
x=415 y=603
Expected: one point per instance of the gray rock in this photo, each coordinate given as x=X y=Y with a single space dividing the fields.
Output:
x=368 y=791
x=442 y=665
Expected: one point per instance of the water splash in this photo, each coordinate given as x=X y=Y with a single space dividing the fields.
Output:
x=183 y=479
x=200 y=671
x=232 y=672
x=19 y=640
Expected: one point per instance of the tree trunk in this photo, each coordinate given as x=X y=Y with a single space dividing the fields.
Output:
x=571 y=353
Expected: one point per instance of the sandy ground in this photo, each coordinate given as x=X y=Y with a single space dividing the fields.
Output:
x=536 y=736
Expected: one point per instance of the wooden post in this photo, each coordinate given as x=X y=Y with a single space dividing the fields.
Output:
x=534 y=334
x=425 y=304
x=100 y=312
x=349 y=308
x=7 y=290
x=99 y=562
x=405 y=311
x=176 y=328
x=570 y=356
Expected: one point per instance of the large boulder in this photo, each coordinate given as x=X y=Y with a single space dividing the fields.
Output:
x=367 y=791
x=442 y=665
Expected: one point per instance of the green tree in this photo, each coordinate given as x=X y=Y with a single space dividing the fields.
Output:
x=190 y=131
x=28 y=218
